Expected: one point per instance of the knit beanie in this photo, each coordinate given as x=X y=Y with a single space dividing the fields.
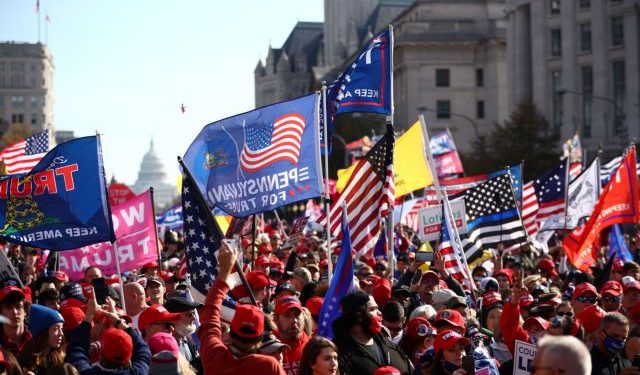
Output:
x=164 y=363
x=41 y=318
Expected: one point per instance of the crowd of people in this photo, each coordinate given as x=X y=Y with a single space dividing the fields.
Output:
x=413 y=319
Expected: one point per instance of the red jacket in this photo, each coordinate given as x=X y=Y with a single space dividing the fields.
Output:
x=291 y=357
x=510 y=326
x=216 y=357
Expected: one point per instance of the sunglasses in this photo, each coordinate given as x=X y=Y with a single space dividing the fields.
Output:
x=586 y=299
x=611 y=299
x=562 y=313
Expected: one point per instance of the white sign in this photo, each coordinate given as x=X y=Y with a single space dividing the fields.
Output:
x=8 y=275
x=523 y=358
x=430 y=219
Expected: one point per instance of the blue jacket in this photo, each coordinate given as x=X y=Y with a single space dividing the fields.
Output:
x=78 y=354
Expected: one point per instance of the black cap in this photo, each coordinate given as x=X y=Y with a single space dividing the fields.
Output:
x=72 y=290
x=402 y=257
x=399 y=290
x=288 y=287
x=179 y=304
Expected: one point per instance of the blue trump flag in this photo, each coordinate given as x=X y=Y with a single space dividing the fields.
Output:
x=365 y=85
x=61 y=203
x=618 y=246
x=259 y=160
x=171 y=219
x=341 y=283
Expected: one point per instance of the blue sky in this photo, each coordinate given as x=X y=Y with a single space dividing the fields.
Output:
x=125 y=67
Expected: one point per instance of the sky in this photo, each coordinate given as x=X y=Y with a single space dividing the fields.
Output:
x=124 y=68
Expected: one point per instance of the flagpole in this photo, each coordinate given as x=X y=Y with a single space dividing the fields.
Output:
x=155 y=226
x=389 y=228
x=326 y=197
x=114 y=246
x=213 y=226
x=566 y=187
x=513 y=193
x=284 y=233
x=253 y=242
x=454 y=228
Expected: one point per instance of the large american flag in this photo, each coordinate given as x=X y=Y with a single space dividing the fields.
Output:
x=369 y=195
x=452 y=253
x=492 y=217
x=21 y=157
x=265 y=145
x=551 y=192
x=530 y=209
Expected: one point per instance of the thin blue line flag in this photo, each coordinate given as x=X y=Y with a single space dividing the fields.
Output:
x=618 y=246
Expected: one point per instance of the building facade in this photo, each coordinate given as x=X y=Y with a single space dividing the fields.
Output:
x=578 y=60
x=26 y=86
x=152 y=174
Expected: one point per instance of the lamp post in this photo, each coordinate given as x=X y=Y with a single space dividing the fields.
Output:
x=452 y=114
x=344 y=144
x=618 y=112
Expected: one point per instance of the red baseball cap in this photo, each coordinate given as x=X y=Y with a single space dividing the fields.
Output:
x=387 y=370
x=547 y=265
x=257 y=279
x=265 y=248
x=245 y=242
x=152 y=264
x=447 y=340
x=263 y=260
x=314 y=304
x=248 y=322
x=117 y=346
x=612 y=288
x=635 y=285
x=286 y=303
x=591 y=317
x=584 y=288
x=430 y=275
x=526 y=300
x=491 y=298
x=8 y=290
x=156 y=313
x=418 y=328
x=163 y=341
x=382 y=291
x=60 y=276
x=506 y=272
x=451 y=317
x=324 y=263
x=535 y=321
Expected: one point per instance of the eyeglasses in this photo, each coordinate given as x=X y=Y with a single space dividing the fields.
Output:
x=611 y=299
x=586 y=299
x=562 y=313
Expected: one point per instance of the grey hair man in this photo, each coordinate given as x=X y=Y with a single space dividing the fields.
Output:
x=562 y=355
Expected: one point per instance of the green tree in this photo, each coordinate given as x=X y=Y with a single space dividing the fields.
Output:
x=526 y=136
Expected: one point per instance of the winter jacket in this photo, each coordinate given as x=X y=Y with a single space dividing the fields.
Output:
x=602 y=365
x=216 y=357
x=78 y=354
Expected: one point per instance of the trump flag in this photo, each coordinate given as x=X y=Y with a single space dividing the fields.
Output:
x=259 y=160
x=62 y=203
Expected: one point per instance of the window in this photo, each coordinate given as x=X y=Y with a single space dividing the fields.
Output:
x=34 y=119
x=442 y=77
x=587 y=99
x=1 y=100
x=17 y=118
x=443 y=109
x=584 y=4
x=34 y=101
x=617 y=31
x=556 y=86
x=17 y=101
x=480 y=109
x=479 y=77
x=17 y=67
x=556 y=42
x=17 y=80
x=554 y=7
x=619 y=89
x=585 y=37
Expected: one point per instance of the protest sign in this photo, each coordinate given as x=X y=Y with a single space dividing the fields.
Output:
x=523 y=358
x=430 y=220
x=296 y=232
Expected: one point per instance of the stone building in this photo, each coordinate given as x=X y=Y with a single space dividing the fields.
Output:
x=152 y=174
x=26 y=86
x=578 y=60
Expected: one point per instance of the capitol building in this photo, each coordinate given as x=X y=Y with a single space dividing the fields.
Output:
x=152 y=174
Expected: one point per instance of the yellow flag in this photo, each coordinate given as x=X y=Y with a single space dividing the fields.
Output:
x=343 y=177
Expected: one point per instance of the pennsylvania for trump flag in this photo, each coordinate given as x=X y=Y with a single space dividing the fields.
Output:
x=22 y=156
x=492 y=217
x=369 y=195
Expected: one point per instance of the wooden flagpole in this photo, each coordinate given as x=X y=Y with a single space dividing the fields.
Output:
x=326 y=198
x=155 y=227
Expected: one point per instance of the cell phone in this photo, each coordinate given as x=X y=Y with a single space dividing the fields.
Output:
x=636 y=361
x=233 y=244
x=417 y=277
x=101 y=290
x=469 y=364
x=424 y=256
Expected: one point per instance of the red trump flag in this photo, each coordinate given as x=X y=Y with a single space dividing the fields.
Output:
x=617 y=204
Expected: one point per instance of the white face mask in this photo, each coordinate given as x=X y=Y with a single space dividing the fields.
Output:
x=184 y=330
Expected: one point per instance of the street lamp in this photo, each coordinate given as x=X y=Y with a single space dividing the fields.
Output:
x=618 y=112
x=344 y=144
x=452 y=114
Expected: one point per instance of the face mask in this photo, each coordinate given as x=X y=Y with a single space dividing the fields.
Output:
x=613 y=345
x=375 y=324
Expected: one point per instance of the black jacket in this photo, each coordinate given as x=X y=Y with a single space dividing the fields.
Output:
x=601 y=365
x=354 y=360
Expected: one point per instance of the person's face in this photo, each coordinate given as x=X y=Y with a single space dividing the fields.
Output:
x=29 y=275
x=617 y=331
x=326 y=362
x=611 y=303
x=503 y=282
x=402 y=266
x=92 y=274
x=54 y=339
x=155 y=291
x=45 y=286
x=579 y=303
x=633 y=273
x=478 y=276
x=262 y=294
x=153 y=271
x=365 y=273
x=631 y=298
x=264 y=268
x=394 y=327
x=372 y=307
x=155 y=327
x=53 y=304
x=454 y=356
x=297 y=283
x=15 y=313
x=186 y=325
x=290 y=324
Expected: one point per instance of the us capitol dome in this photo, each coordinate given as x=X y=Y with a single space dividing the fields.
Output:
x=152 y=174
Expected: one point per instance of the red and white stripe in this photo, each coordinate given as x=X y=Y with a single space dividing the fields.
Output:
x=530 y=209
x=411 y=219
x=16 y=161
x=575 y=169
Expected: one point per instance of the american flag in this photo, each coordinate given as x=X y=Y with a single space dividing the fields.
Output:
x=369 y=195
x=575 y=169
x=530 y=209
x=492 y=216
x=551 y=192
x=607 y=169
x=275 y=142
x=21 y=157
x=452 y=253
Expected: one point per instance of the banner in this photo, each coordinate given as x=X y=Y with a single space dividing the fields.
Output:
x=171 y=219
x=523 y=355
x=253 y=162
x=441 y=143
x=135 y=240
x=62 y=203
x=430 y=219
x=583 y=195
x=410 y=168
x=297 y=227
x=119 y=193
